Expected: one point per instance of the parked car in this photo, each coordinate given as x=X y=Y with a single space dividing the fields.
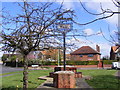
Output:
x=115 y=65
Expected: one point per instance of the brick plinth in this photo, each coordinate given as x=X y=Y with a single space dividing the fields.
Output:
x=64 y=79
x=67 y=69
x=78 y=75
x=51 y=74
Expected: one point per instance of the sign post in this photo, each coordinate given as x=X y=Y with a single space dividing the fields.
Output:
x=64 y=26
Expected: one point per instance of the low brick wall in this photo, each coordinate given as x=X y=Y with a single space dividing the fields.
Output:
x=81 y=66
x=64 y=79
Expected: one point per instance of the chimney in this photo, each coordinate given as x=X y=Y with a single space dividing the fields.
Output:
x=97 y=48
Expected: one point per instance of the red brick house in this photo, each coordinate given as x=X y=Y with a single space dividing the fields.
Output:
x=115 y=52
x=86 y=53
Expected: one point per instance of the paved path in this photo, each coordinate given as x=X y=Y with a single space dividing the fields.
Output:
x=9 y=74
x=118 y=74
x=5 y=69
x=48 y=84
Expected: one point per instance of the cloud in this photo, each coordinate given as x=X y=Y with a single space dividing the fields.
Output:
x=93 y=5
x=1 y=52
x=67 y=4
x=113 y=32
x=99 y=33
x=88 y=31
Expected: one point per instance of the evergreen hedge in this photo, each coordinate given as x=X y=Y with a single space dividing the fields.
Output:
x=70 y=62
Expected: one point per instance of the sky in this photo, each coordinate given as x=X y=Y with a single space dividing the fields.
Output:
x=83 y=17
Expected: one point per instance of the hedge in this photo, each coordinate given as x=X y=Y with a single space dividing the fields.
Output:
x=34 y=62
x=13 y=63
x=20 y=63
x=109 y=61
x=81 y=62
x=49 y=63
x=71 y=62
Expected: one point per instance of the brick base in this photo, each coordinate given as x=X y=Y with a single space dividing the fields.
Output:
x=64 y=79
x=51 y=74
x=74 y=69
x=78 y=75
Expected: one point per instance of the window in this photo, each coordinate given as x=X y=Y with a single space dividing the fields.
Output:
x=81 y=55
x=90 y=55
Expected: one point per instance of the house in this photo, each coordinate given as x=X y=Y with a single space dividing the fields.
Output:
x=67 y=56
x=52 y=54
x=33 y=55
x=115 y=52
x=86 y=53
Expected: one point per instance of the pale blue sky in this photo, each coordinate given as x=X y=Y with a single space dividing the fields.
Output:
x=82 y=17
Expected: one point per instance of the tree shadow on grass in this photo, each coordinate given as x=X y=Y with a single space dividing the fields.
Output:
x=105 y=82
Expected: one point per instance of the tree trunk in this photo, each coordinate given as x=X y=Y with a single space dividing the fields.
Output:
x=25 y=73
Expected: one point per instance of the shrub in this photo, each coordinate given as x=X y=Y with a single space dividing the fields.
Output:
x=13 y=63
x=109 y=61
x=49 y=63
x=20 y=63
x=72 y=62
x=34 y=61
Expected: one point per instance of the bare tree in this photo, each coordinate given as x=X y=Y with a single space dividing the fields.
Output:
x=26 y=31
x=108 y=12
x=104 y=14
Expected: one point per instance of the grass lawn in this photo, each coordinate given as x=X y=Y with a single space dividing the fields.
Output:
x=11 y=82
x=102 y=79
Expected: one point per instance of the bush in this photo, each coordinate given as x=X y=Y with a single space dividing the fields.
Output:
x=20 y=63
x=34 y=62
x=109 y=61
x=71 y=62
x=13 y=63
x=49 y=63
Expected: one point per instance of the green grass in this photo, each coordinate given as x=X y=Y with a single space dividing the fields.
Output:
x=10 y=73
x=103 y=79
x=11 y=82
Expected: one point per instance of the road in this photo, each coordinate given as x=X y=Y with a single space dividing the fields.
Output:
x=4 y=69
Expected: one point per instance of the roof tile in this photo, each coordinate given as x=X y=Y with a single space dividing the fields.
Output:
x=85 y=50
